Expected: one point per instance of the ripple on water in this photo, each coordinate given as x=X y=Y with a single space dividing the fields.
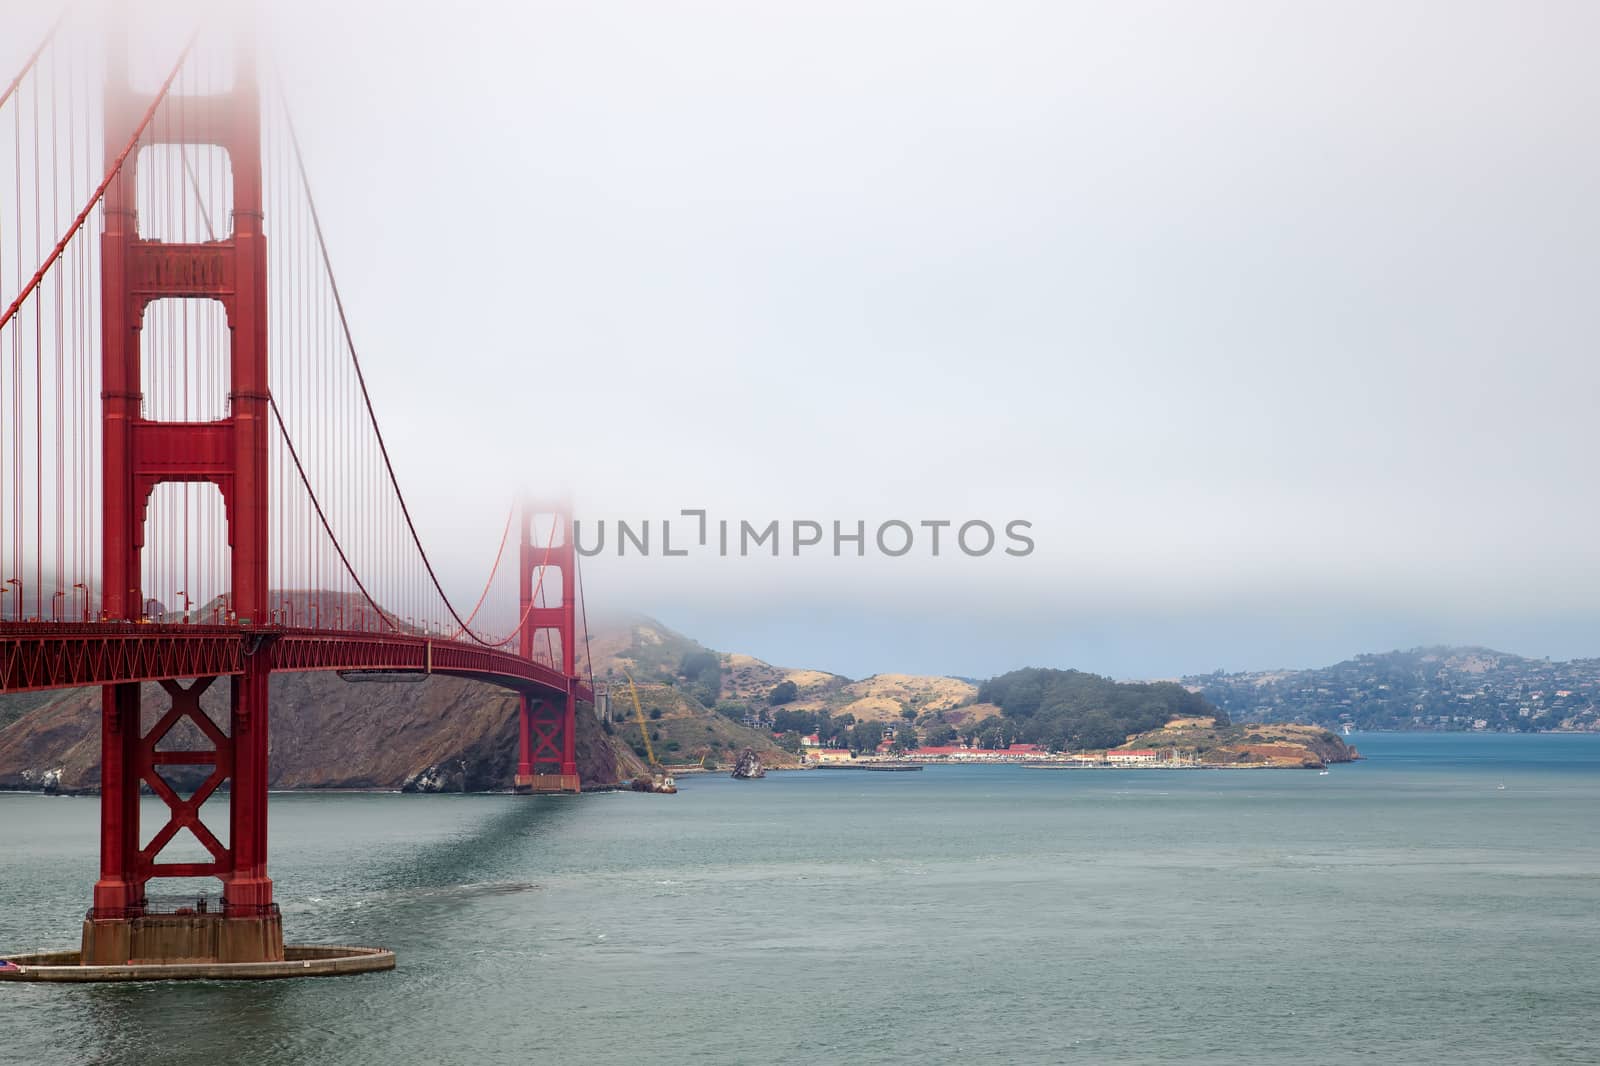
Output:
x=1409 y=915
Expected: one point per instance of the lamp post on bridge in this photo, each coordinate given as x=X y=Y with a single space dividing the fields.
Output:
x=55 y=606
x=16 y=615
x=80 y=586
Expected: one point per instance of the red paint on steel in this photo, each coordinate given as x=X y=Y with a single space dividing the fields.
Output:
x=243 y=641
x=40 y=656
x=548 y=728
x=140 y=454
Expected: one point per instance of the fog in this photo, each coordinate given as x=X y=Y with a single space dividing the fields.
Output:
x=1276 y=322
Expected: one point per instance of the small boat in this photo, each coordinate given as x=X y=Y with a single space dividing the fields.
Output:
x=1322 y=773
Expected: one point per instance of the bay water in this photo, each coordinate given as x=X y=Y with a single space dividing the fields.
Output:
x=1437 y=902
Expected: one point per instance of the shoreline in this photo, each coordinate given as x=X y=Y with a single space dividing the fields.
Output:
x=696 y=771
x=13 y=789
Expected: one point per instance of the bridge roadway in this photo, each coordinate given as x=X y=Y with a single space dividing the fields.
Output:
x=36 y=656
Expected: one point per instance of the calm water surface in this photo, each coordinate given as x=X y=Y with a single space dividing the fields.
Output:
x=1405 y=909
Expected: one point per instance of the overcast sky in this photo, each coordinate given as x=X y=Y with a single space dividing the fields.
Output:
x=1277 y=321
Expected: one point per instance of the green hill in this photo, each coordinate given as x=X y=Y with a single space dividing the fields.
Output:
x=1069 y=709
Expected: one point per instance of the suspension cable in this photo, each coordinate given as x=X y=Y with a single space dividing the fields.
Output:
x=505 y=535
x=583 y=606
x=533 y=597
x=116 y=168
x=361 y=379
x=323 y=518
x=33 y=59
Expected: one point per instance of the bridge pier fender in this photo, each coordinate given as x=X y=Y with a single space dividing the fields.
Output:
x=546 y=784
x=182 y=939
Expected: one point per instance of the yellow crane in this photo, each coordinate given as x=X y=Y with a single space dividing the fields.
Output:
x=644 y=729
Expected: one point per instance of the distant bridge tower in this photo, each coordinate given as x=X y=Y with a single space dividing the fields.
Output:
x=547 y=759
x=139 y=454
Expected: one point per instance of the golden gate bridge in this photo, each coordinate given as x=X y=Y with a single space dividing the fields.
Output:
x=194 y=484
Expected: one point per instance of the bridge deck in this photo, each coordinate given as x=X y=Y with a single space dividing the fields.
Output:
x=36 y=656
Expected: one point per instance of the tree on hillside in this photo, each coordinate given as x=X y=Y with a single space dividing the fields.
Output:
x=865 y=736
x=997 y=736
x=783 y=692
x=696 y=664
x=787 y=721
x=1069 y=708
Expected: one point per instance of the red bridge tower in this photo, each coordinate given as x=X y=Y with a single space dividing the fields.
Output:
x=139 y=454
x=547 y=759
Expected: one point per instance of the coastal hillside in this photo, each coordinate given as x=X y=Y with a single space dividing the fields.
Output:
x=879 y=698
x=653 y=653
x=683 y=731
x=14 y=707
x=1211 y=743
x=1441 y=688
x=705 y=704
